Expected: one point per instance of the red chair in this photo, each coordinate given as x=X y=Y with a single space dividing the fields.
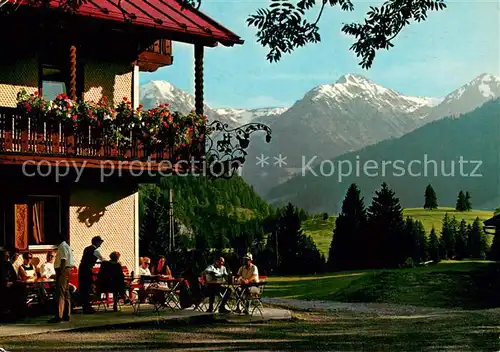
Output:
x=73 y=277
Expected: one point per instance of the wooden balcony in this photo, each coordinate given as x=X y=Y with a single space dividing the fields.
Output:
x=24 y=139
x=157 y=55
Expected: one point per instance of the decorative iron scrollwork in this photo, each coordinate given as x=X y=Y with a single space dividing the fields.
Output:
x=226 y=152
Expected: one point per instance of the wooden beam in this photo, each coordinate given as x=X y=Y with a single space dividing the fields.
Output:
x=161 y=59
x=46 y=161
x=198 y=79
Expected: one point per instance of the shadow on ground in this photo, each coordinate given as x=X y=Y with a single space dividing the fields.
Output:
x=455 y=331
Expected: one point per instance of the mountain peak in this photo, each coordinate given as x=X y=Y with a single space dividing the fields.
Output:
x=352 y=78
x=486 y=77
x=485 y=86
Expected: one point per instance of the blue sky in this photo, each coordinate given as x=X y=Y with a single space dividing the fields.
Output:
x=430 y=58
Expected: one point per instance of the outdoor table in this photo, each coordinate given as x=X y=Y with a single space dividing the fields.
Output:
x=167 y=292
x=225 y=285
x=36 y=289
x=241 y=297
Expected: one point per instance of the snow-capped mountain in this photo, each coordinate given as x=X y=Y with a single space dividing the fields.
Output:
x=244 y=116
x=468 y=97
x=355 y=87
x=161 y=92
x=330 y=119
x=155 y=93
x=350 y=114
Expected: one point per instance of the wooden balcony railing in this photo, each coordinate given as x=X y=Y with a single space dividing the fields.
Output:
x=159 y=54
x=20 y=134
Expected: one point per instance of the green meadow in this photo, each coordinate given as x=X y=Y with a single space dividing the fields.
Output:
x=322 y=230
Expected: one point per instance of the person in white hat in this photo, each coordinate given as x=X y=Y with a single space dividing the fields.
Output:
x=247 y=274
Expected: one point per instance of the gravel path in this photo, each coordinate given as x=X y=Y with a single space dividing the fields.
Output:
x=374 y=308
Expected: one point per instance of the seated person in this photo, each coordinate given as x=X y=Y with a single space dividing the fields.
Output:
x=15 y=259
x=162 y=268
x=213 y=273
x=8 y=280
x=144 y=263
x=27 y=270
x=47 y=270
x=7 y=273
x=247 y=274
x=111 y=279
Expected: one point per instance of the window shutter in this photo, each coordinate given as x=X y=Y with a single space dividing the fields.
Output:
x=21 y=226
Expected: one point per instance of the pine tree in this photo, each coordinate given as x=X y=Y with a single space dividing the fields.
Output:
x=346 y=245
x=461 y=202
x=153 y=233
x=430 y=198
x=408 y=239
x=434 y=250
x=385 y=229
x=421 y=245
x=494 y=252
x=477 y=240
x=448 y=237
x=292 y=243
x=468 y=203
x=461 y=244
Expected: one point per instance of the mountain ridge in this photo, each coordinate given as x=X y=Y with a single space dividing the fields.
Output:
x=470 y=137
x=330 y=119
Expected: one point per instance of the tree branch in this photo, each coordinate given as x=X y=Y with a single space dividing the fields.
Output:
x=320 y=12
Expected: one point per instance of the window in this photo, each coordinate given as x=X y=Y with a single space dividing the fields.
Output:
x=53 y=81
x=44 y=220
x=54 y=75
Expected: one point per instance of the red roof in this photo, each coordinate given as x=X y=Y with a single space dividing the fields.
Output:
x=167 y=15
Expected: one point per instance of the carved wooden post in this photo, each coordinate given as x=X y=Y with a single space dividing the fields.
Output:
x=198 y=79
x=72 y=72
x=70 y=132
x=198 y=92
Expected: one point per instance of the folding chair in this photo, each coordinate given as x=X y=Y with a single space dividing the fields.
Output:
x=172 y=294
x=147 y=292
x=253 y=298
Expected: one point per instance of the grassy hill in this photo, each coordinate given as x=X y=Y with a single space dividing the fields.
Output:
x=321 y=231
x=430 y=218
x=449 y=284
